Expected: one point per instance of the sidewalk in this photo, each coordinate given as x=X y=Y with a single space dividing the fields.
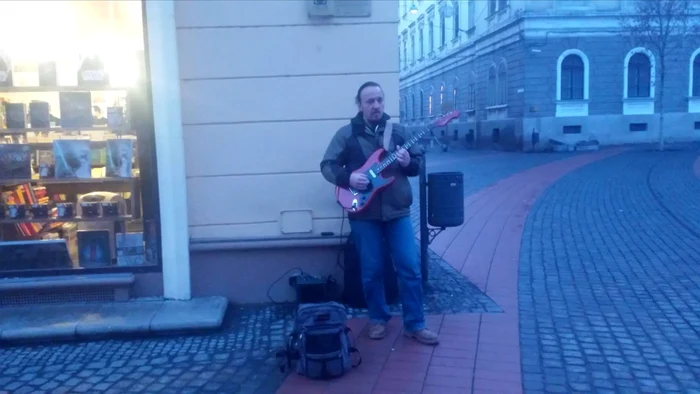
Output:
x=98 y=320
x=478 y=353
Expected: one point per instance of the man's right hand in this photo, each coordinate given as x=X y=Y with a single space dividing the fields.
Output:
x=359 y=181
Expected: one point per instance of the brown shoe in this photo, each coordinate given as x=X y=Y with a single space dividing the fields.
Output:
x=425 y=337
x=377 y=331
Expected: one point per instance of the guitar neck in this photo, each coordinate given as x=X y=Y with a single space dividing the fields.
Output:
x=393 y=156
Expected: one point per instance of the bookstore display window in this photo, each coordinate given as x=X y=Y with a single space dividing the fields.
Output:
x=77 y=167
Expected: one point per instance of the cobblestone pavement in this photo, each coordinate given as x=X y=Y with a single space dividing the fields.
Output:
x=238 y=360
x=609 y=287
x=481 y=168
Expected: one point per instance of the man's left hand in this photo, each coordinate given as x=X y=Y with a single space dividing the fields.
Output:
x=402 y=156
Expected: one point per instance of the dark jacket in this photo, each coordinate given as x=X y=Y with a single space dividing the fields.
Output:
x=349 y=149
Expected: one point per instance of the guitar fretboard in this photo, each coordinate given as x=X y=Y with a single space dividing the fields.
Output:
x=393 y=156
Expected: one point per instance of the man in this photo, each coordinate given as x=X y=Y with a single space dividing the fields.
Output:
x=97 y=118
x=388 y=215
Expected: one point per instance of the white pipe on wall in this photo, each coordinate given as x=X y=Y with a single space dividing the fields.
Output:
x=170 y=149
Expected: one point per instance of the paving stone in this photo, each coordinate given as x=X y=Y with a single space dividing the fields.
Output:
x=612 y=248
x=240 y=358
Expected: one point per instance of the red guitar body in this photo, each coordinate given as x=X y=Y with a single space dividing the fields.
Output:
x=354 y=200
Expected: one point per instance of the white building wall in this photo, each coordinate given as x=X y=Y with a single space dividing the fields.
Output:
x=264 y=87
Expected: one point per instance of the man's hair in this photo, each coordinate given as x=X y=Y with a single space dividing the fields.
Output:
x=362 y=87
x=96 y=109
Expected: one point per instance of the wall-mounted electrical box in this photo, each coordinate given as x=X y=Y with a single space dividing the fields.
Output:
x=339 y=8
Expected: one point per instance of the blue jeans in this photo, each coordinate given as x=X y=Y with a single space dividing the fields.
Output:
x=369 y=236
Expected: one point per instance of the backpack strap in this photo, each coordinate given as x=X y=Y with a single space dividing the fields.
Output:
x=288 y=354
x=353 y=350
x=388 y=129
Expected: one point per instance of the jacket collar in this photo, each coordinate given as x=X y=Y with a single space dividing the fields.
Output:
x=359 y=125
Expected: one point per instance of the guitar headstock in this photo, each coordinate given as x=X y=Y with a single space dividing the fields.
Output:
x=446 y=118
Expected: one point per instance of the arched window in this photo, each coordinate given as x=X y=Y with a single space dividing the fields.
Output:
x=455 y=82
x=455 y=20
x=471 y=92
x=413 y=105
x=572 y=80
x=404 y=108
x=502 y=84
x=695 y=75
x=639 y=76
x=491 y=89
x=430 y=102
x=442 y=95
x=421 y=105
x=694 y=82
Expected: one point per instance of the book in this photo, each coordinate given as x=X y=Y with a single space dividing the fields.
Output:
x=93 y=248
x=115 y=118
x=119 y=158
x=72 y=158
x=76 y=109
x=5 y=71
x=47 y=74
x=15 y=116
x=92 y=72
x=39 y=115
x=15 y=161
x=130 y=249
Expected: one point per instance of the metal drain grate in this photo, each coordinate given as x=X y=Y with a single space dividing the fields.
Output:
x=56 y=297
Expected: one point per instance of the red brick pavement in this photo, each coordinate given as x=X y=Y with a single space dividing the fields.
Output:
x=478 y=353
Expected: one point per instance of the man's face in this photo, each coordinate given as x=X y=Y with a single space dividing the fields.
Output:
x=372 y=103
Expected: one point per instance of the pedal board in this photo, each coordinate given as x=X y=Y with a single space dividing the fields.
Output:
x=312 y=289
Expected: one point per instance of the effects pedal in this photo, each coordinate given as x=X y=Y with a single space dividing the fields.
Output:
x=312 y=289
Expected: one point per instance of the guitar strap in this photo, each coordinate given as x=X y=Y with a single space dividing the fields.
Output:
x=387 y=136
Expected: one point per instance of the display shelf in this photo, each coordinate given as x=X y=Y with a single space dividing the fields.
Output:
x=49 y=144
x=56 y=130
x=68 y=220
x=81 y=185
x=51 y=89
x=63 y=181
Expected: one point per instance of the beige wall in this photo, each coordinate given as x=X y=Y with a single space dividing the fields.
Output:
x=263 y=89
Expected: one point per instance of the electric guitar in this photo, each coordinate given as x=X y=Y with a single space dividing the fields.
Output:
x=355 y=200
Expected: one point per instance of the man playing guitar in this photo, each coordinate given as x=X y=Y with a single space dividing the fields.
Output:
x=387 y=216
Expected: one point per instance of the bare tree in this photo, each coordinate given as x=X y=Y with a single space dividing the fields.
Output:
x=664 y=26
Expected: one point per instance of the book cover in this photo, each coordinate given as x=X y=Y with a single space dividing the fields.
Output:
x=5 y=71
x=72 y=158
x=15 y=116
x=15 y=161
x=115 y=118
x=92 y=72
x=119 y=155
x=44 y=157
x=76 y=109
x=99 y=157
x=130 y=249
x=47 y=74
x=93 y=248
x=39 y=115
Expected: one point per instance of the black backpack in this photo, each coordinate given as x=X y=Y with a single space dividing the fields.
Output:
x=320 y=343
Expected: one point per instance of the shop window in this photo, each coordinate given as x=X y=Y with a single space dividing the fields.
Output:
x=638 y=127
x=77 y=154
x=575 y=129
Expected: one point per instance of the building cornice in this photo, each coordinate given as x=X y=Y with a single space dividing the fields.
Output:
x=502 y=35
